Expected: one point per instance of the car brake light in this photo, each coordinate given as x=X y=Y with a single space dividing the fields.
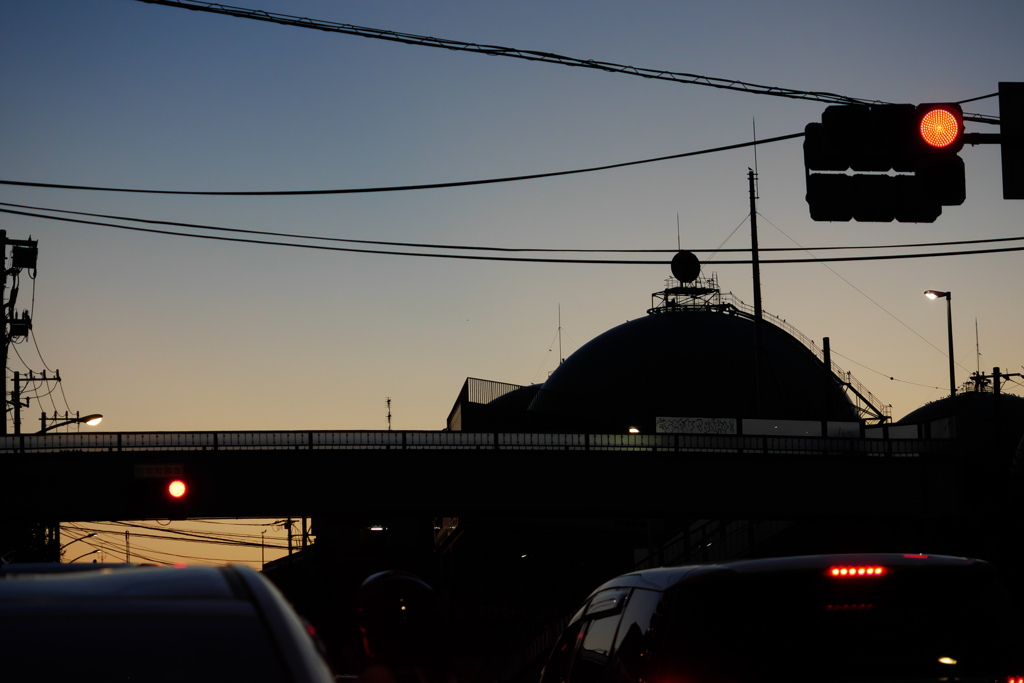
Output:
x=846 y=572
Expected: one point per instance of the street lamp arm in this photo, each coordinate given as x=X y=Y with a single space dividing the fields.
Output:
x=76 y=540
x=91 y=552
x=91 y=420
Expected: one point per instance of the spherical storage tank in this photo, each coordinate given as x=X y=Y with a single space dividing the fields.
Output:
x=687 y=362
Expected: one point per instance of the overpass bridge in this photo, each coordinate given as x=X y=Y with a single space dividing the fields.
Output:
x=123 y=475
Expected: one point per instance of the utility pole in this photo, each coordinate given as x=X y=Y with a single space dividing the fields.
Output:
x=16 y=392
x=24 y=254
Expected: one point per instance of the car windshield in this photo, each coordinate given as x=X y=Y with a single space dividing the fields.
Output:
x=905 y=624
x=136 y=641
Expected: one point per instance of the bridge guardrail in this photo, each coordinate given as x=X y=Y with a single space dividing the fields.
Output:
x=483 y=441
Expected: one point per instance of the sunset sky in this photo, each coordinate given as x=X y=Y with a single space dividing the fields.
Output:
x=162 y=332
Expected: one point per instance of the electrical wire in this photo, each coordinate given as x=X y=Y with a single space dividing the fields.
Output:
x=169 y=535
x=883 y=374
x=226 y=538
x=862 y=293
x=404 y=188
x=221 y=537
x=518 y=259
x=530 y=55
x=717 y=250
x=210 y=541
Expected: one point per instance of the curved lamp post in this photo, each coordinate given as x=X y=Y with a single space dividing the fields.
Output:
x=91 y=420
x=936 y=294
x=76 y=540
x=91 y=552
x=60 y=550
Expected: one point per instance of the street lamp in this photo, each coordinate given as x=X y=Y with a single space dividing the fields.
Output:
x=91 y=420
x=80 y=538
x=936 y=294
x=91 y=552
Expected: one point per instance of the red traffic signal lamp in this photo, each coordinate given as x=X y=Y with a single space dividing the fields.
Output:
x=175 y=503
x=880 y=163
x=941 y=127
x=177 y=489
x=161 y=496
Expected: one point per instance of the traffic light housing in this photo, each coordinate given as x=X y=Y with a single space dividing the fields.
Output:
x=161 y=491
x=1011 y=134
x=886 y=162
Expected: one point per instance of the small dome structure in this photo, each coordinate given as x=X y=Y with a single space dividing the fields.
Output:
x=995 y=422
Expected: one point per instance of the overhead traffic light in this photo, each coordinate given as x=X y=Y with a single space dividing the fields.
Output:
x=884 y=162
x=161 y=491
x=1011 y=133
x=177 y=489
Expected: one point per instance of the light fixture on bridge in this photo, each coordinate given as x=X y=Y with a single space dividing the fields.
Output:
x=936 y=294
x=58 y=421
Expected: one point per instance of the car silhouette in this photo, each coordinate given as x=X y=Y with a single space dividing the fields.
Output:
x=147 y=623
x=863 y=617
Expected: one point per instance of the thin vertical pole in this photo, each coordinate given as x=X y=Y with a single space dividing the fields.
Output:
x=949 y=325
x=758 y=317
x=16 y=402
x=560 y=359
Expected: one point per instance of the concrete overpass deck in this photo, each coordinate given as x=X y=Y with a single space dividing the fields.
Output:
x=121 y=475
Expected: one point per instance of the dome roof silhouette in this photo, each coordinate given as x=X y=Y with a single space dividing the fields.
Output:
x=688 y=362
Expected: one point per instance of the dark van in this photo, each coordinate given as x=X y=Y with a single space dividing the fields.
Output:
x=864 y=617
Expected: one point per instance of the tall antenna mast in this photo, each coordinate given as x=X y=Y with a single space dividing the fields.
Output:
x=388 y=401
x=977 y=346
x=759 y=356
x=754 y=123
x=560 y=359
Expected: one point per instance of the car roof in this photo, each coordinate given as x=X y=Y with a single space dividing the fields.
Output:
x=123 y=582
x=58 y=567
x=663 y=578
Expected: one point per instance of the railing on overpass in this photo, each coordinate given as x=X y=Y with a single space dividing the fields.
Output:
x=459 y=441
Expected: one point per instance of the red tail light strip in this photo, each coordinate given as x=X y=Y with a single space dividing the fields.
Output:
x=856 y=571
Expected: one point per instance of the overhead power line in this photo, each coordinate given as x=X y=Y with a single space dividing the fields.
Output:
x=520 y=259
x=402 y=188
x=434 y=245
x=531 y=55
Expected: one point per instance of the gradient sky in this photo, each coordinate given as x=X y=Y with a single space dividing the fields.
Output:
x=170 y=333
